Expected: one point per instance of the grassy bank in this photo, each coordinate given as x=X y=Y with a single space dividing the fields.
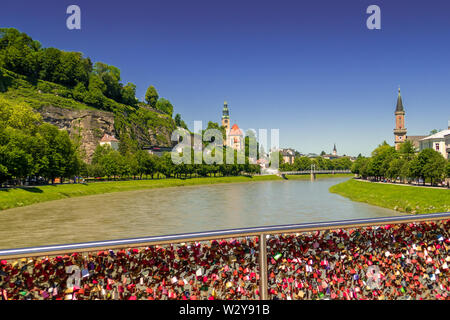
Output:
x=407 y=199
x=19 y=197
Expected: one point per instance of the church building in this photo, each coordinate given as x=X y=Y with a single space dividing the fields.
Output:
x=234 y=135
x=400 y=128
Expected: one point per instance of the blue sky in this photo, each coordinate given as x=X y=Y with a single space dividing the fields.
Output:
x=309 y=68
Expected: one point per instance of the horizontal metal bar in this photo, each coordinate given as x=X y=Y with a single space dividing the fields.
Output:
x=217 y=234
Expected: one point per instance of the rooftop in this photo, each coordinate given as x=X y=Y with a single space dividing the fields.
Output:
x=399 y=102
x=108 y=138
x=235 y=131
x=439 y=135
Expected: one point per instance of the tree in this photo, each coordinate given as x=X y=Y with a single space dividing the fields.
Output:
x=367 y=169
x=434 y=131
x=407 y=150
x=343 y=163
x=179 y=122
x=110 y=76
x=428 y=164
x=18 y=127
x=151 y=96
x=358 y=165
x=165 y=165
x=395 y=168
x=302 y=164
x=381 y=158
x=19 y=52
x=59 y=152
x=143 y=162
x=447 y=169
x=129 y=94
x=434 y=168
x=15 y=154
x=164 y=106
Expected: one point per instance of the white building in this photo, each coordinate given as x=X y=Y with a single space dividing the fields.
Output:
x=235 y=138
x=447 y=145
x=110 y=140
x=439 y=142
x=288 y=155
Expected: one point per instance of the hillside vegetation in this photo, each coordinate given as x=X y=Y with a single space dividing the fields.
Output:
x=39 y=77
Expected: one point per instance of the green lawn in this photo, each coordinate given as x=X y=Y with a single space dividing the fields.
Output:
x=402 y=198
x=19 y=197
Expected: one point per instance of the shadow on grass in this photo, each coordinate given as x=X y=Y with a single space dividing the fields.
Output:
x=32 y=189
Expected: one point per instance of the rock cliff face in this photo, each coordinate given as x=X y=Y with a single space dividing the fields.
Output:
x=90 y=125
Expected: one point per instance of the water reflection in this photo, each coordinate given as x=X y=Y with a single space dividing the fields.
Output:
x=178 y=210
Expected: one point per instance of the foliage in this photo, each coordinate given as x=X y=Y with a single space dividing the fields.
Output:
x=30 y=148
x=179 y=122
x=164 y=106
x=151 y=96
x=404 y=164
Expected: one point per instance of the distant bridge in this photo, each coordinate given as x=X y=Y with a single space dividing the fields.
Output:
x=314 y=171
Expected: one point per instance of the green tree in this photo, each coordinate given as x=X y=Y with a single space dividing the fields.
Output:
x=395 y=168
x=165 y=106
x=302 y=164
x=59 y=152
x=381 y=158
x=447 y=169
x=151 y=96
x=19 y=52
x=110 y=76
x=429 y=164
x=179 y=122
x=358 y=164
x=407 y=150
x=129 y=94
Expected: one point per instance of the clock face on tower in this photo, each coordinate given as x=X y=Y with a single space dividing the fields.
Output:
x=226 y=121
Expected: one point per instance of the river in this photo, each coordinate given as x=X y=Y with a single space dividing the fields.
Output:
x=178 y=210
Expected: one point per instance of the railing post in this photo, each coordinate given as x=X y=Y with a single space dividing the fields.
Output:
x=263 y=283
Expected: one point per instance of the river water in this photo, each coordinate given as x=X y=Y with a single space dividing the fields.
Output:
x=178 y=210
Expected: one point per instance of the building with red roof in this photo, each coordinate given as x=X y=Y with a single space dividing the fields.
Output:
x=235 y=136
x=109 y=140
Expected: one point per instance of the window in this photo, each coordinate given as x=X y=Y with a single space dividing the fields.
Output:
x=437 y=146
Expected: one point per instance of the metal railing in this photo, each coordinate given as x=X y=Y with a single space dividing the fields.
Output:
x=260 y=232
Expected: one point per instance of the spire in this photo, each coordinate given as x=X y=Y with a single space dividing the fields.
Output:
x=399 y=102
x=225 y=111
x=334 y=149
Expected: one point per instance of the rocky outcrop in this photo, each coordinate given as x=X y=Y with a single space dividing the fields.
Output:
x=89 y=125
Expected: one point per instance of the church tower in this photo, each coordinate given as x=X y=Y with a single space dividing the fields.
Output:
x=400 y=130
x=334 y=150
x=226 y=117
